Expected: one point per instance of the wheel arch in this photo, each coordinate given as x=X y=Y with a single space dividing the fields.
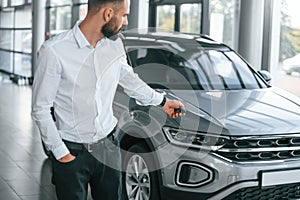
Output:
x=127 y=140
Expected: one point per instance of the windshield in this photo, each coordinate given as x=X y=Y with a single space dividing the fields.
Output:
x=200 y=70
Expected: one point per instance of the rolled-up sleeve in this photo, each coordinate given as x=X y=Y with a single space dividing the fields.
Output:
x=137 y=88
x=44 y=89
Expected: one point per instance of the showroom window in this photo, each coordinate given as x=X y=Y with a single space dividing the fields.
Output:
x=16 y=37
x=165 y=17
x=190 y=18
x=224 y=21
x=4 y=3
x=187 y=16
x=17 y=2
x=59 y=14
x=288 y=74
x=63 y=14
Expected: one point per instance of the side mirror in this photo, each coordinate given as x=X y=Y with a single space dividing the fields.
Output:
x=266 y=75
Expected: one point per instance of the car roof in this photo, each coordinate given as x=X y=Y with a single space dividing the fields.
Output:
x=177 y=40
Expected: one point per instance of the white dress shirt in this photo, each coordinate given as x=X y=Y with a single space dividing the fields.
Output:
x=80 y=82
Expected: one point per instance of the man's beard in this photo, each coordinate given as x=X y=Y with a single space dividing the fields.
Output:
x=110 y=29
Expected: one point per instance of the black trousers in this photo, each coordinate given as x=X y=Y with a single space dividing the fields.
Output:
x=98 y=165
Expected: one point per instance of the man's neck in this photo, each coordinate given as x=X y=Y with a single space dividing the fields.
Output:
x=91 y=30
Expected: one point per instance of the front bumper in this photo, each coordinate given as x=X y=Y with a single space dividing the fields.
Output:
x=230 y=180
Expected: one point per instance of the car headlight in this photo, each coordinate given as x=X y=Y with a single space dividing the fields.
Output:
x=195 y=139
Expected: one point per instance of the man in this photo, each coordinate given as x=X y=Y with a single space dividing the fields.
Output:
x=77 y=73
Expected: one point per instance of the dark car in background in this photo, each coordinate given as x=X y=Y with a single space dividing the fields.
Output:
x=239 y=139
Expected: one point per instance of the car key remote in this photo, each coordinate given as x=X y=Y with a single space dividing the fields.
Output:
x=178 y=110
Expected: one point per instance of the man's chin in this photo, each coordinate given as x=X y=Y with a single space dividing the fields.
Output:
x=108 y=35
x=114 y=37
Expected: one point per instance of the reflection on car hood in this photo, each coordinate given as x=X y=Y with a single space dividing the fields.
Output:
x=248 y=112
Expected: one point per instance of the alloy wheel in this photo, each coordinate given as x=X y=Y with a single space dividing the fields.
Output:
x=137 y=179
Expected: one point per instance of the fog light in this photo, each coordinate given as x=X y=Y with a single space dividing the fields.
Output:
x=193 y=175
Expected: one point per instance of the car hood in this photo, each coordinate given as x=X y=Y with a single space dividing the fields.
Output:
x=246 y=112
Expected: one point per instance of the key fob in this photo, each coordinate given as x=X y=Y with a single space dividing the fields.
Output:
x=178 y=110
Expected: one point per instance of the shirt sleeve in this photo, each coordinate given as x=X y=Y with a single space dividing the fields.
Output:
x=44 y=89
x=137 y=88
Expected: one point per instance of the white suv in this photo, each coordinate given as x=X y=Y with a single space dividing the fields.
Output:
x=239 y=139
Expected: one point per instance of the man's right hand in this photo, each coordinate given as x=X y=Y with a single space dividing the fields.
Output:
x=171 y=106
x=67 y=158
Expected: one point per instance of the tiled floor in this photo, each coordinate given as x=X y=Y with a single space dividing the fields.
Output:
x=25 y=172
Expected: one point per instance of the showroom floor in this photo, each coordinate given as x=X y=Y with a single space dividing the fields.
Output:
x=25 y=171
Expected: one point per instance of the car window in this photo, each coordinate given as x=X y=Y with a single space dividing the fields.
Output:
x=162 y=69
x=200 y=70
x=225 y=70
x=250 y=80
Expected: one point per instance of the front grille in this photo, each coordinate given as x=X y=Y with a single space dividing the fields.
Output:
x=280 y=192
x=263 y=142
x=261 y=149
x=260 y=156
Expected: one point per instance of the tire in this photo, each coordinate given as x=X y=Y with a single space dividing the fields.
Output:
x=143 y=186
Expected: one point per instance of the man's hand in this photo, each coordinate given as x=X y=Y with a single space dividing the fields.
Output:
x=67 y=158
x=170 y=107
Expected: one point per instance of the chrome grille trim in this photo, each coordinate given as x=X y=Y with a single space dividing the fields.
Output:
x=258 y=161
x=261 y=149
x=293 y=142
x=266 y=137
x=246 y=150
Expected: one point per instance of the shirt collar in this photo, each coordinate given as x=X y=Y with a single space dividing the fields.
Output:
x=79 y=37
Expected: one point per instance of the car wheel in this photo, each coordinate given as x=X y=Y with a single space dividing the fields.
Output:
x=139 y=182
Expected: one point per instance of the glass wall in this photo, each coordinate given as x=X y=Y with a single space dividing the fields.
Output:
x=16 y=37
x=190 y=16
x=17 y=2
x=4 y=3
x=63 y=14
x=60 y=18
x=6 y=39
x=224 y=21
x=16 y=30
x=165 y=17
x=184 y=16
x=288 y=76
x=23 y=41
